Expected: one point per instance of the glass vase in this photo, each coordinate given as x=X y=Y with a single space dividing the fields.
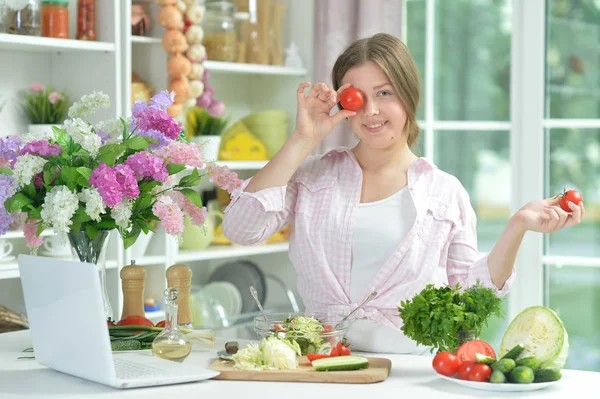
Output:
x=93 y=251
x=466 y=336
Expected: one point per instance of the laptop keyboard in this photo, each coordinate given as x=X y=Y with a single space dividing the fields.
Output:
x=127 y=370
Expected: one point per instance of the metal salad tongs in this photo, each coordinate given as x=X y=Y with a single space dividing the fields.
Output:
x=371 y=296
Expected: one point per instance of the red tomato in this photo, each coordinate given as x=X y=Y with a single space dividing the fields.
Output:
x=352 y=99
x=480 y=373
x=466 y=352
x=316 y=356
x=571 y=195
x=343 y=349
x=110 y=322
x=445 y=363
x=327 y=328
x=334 y=351
x=162 y=323
x=135 y=321
x=464 y=369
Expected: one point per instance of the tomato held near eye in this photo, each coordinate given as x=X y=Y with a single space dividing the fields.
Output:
x=570 y=196
x=445 y=363
x=352 y=99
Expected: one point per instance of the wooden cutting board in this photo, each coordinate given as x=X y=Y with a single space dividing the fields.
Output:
x=378 y=370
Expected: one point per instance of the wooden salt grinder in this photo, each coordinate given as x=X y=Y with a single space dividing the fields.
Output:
x=180 y=276
x=133 y=279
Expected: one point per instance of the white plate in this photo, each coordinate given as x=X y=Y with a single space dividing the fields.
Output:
x=228 y=295
x=7 y=259
x=506 y=387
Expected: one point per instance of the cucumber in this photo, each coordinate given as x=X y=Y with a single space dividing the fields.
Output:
x=484 y=359
x=514 y=352
x=547 y=375
x=341 y=363
x=532 y=362
x=504 y=365
x=497 y=377
x=521 y=375
x=125 y=345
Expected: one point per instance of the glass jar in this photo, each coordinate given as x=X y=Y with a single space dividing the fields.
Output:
x=55 y=19
x=86 y=20
x=241 y=33
x=219 y=31
x=22 y=17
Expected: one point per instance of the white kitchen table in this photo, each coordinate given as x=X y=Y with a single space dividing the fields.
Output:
x=411 y=377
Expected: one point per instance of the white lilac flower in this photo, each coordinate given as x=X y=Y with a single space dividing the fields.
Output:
x=94 y=206
x=35 y=136
x=113 y=128
x=81 y=133
x=88 y=104
x=26 y=167
x=122 y=214
x=58 y=209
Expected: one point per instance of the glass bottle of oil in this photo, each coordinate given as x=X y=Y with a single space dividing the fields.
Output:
x=171 y=343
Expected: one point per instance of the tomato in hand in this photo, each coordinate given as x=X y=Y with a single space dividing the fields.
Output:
x=162 y=323
x=480 y=373
x=570 y=196
x=464 y=368
x=135 y=321
x=466 y=352
x=445 y=363
x=352 y=99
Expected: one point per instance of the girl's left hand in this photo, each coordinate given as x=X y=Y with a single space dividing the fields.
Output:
x=546 y=216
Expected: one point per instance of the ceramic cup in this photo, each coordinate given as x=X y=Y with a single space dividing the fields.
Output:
x=6 y=248
x=53 y=245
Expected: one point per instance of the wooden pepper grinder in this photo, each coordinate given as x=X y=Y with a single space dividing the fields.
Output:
x=179 y=276
x=133 y=279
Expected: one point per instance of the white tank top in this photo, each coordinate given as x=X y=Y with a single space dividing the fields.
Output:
x=378 y=229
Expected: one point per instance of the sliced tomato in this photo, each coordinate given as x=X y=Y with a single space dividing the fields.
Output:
x=316 y=356
x=467 y=351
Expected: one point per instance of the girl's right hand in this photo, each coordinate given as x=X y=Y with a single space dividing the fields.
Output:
x=313 y=122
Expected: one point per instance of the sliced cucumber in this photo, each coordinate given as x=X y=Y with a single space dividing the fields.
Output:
x=484 y=359
x=341 y=363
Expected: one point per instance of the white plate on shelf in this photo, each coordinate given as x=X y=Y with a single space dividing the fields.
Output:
x=228 y=296
x=506 y=387
x=7 y=259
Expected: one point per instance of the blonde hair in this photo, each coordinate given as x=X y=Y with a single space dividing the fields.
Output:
x=393 y=57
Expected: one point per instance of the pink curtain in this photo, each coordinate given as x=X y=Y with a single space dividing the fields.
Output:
x=337 y=24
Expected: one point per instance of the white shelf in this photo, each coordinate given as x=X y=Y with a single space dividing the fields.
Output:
x=11 y=269
x=151 y=260
x=146 y=40
x=221 y=252
x=47 y=44
x=155 y=316
x=243 y=165
x=253 y=69
x=19 y=234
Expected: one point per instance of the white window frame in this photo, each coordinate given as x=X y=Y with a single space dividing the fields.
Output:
x=528 y=147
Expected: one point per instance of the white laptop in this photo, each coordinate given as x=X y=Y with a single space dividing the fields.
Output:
x=70 y=335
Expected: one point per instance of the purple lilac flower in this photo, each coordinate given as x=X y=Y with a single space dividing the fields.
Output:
x=104 y=179
x=9 y=147
x=42 y=148
x=127 y=181
x=6 y=220
x=103 y=135
x=156 y=135
x=145 y=164
x=8 y=187
x=162 y=100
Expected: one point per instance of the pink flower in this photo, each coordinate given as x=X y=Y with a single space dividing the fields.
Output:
x=170 y=214
x=216 y=108
x=181 y=153
x=224 y=178
x=42 y=148
x=30 y=232
x=36 y=87
x=145 y=164
x=105 y=180
x=204 y=100
x=198 y=215
x=54 y=97
x=127 y=182
x=148 y=118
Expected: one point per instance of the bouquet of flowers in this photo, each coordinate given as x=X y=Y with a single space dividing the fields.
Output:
x=121 y=174
x=43 y=105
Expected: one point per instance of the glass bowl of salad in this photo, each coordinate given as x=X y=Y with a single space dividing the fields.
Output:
x=314 y=333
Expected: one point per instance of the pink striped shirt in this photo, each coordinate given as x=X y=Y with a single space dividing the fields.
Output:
x=321 y=199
